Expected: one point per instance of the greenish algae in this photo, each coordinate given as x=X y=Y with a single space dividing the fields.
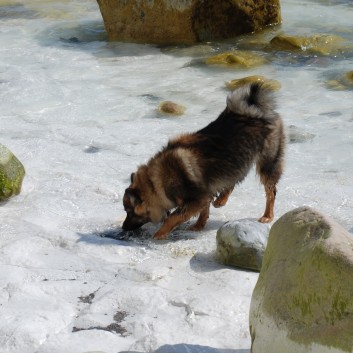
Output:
x=11 y=174
x=236 y=59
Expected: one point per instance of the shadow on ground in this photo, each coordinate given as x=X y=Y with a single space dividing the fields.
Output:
x=190 y=348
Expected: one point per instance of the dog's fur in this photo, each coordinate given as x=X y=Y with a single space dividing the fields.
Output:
x=196 y=169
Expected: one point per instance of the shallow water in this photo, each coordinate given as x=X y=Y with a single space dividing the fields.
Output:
x=80 y=113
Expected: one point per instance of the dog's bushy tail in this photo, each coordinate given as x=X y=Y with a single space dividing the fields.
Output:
x=252 y=100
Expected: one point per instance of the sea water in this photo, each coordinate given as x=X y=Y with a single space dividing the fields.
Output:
x=80 y=113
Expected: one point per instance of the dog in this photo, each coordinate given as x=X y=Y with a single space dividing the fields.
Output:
x=197 y=169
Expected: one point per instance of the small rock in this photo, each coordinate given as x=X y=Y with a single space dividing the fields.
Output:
x=236 y=59
x=171 y=108
x=298 y=135
x=302 y=301
x=242 y=243
x=91 y=149
x=322 y=44
x=11 y=174
x=271 y=84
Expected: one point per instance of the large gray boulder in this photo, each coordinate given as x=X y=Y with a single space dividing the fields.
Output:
x=185 y=21
x=303 y=300
x=11 y=174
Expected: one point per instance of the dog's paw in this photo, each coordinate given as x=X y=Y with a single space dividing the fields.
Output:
x=160 y=235
x=264 y=219
x=196 y=227
x=219 y=203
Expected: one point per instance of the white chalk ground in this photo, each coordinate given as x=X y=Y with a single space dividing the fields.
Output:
x=80 y=114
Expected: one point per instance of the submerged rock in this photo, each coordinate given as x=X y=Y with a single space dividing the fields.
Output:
x=322 y=44
x=271 y=84
x=342 y=83
x=298 y=135
x=185 y=22
x=11 y=174
x=349 y=76
x=237 y=59
x=242 y=243
x=171 y=108
x=302 y=301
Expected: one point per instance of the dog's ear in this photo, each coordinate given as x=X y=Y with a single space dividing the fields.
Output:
x=133 y=196
x=132 y=177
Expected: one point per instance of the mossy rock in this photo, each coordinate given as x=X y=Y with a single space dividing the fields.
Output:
x=342 y=83
x=270 y=84
x=302 y=301
x=11 y=174
x=322 y=44
x=171 y=108
x=236 y=59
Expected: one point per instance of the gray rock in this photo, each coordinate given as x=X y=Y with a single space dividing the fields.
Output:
x=302 y=301
x=242 y=243
x=11 y=174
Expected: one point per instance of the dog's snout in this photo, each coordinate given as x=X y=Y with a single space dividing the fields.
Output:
x=133 y=222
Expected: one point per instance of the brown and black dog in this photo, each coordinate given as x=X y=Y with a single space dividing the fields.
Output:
x=197 y=169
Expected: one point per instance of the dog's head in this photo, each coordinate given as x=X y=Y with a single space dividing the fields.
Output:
x=141 y=203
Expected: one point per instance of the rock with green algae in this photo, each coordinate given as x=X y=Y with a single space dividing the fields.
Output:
x=342 y=83
x=236 y=83
x=236 y=59
x=302 y=301
x=11 y=174
x=321 y=44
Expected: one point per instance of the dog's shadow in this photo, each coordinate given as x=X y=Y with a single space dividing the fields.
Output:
x=144 y=235
x=116 y=236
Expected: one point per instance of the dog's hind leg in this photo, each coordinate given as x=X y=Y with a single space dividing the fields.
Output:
x=181 y=215
x=270 y=173
x=222 y=198
x=269 y=167
x=268 y=215
x=202 y=220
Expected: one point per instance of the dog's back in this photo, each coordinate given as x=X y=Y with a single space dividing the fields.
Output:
x=247 y=131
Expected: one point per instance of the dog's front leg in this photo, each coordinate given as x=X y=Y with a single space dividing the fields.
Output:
x=180 y=215
x=169 y=224
x=202 y=220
